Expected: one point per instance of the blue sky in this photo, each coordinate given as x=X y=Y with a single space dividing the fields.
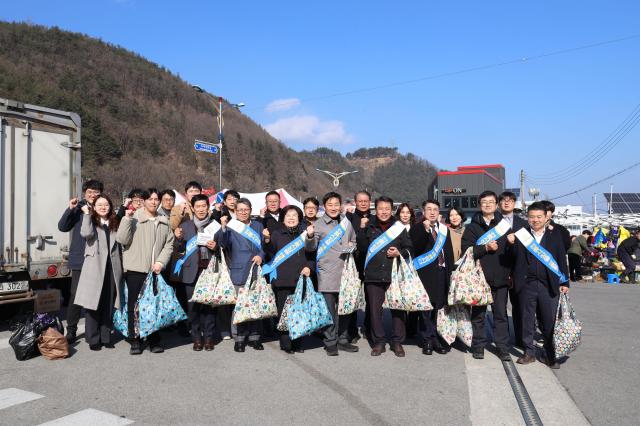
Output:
x=542 y=115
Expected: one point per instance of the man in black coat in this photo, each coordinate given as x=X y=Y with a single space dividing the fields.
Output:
x=362 y=214
x=377 y=275
x=626 y=253
x=270 y=213
x=537 y=286
x=71 y=220
x=496 y=261
x=564 y=232
x=507 y=203
x=434 y=276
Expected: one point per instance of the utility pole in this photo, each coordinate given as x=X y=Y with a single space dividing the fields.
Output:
x=610 y=199
x=595 y=206
x=522 y=203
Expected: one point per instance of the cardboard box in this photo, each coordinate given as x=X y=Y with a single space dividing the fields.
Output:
x=47 y=300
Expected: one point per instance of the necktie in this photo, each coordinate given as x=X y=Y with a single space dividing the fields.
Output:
x=434 y=233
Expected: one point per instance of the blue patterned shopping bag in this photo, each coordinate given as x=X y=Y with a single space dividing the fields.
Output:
x=157 y=306
x=120 y=316
x=307 y=314
x=567 y=331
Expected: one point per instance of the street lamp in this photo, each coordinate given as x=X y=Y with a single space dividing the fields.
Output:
x=220 y=121
x=337 y=176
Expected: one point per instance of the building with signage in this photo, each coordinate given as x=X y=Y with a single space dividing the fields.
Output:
x=460 y=188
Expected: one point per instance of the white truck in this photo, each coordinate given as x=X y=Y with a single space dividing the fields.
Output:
x=39 y=173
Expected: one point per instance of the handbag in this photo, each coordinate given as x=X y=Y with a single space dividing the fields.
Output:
x=307 y=314
x=393 y=298
x=447 y=324
x=214 y=286
x=121 y=316
x=282 y=322
x=256 y=299
x=567 y=331
x=157 y=306
x=351 y=295
x=413 y=292
x=52 y=344
x=464 y=329
x=468 y=284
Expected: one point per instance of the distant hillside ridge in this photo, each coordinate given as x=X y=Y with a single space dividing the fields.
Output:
x=139 y=121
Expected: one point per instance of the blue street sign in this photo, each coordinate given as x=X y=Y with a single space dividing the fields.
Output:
x=206 y=147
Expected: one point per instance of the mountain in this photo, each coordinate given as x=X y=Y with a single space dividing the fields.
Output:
x=139 y=121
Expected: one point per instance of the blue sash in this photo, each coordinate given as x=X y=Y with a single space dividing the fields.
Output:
x=428 y=257
x=192 y=246
x=246 y=231
x=540 y=253
x=332 y=237
x=283 y=254
x=494 y=233
x=382 y=241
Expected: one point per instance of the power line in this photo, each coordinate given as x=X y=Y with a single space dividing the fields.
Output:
x=453 y=73
x=598 y=181
x=629 y=123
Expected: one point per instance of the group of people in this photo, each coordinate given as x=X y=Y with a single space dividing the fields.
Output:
x=117 y=246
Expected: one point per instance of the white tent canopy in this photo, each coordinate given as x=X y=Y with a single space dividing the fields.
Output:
x=256 y=198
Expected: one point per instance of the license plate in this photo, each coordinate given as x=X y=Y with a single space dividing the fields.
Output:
x=14 y=286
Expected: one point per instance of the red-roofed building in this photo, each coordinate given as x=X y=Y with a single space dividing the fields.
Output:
x=460 y=188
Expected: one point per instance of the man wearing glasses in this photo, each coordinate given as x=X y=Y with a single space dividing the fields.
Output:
x=495 y=259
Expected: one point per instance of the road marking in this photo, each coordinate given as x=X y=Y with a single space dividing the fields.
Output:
x=90 y=416
x=491 y=398
x=553 y=403
x=12 y=396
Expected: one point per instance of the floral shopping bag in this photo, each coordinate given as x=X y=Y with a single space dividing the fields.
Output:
x=567 y=331
x=282 y=322
x=464 y=330
x=413 y=292
x=468 y=284
x=351 y=295
x=256 y=299
x=393 y=298
x=447 y=324
x=206 y=284
x=222 y=292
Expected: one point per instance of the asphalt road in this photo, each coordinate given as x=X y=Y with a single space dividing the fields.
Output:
x=271 y=387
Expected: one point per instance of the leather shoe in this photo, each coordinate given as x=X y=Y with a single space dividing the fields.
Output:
x=238 y=347
x=136 y=348
x=478 y=354
x=332 y=350
x=554 y=365
x=290 y=351
x=297 y=348
x=109 y=345
x=503 y=355
x=208 y=344
x=427 y=348
x=257 y=346
x=347 y=347
x=378 y=349
x=441 y=350
x=397 y=349
x=197 y=345
x=156 y=349
x=526 y=359
x=95 y=347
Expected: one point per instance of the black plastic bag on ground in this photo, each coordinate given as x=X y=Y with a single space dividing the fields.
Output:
x=24 y=339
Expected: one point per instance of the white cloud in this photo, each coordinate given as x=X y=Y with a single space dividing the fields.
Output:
x=282 y=104
x=308 y=129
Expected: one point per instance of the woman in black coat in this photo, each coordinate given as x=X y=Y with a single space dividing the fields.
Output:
x=290 y=226
x=435 y=278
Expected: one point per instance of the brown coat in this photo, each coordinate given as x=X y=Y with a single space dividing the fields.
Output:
x=456 y=242
x=177 y=217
